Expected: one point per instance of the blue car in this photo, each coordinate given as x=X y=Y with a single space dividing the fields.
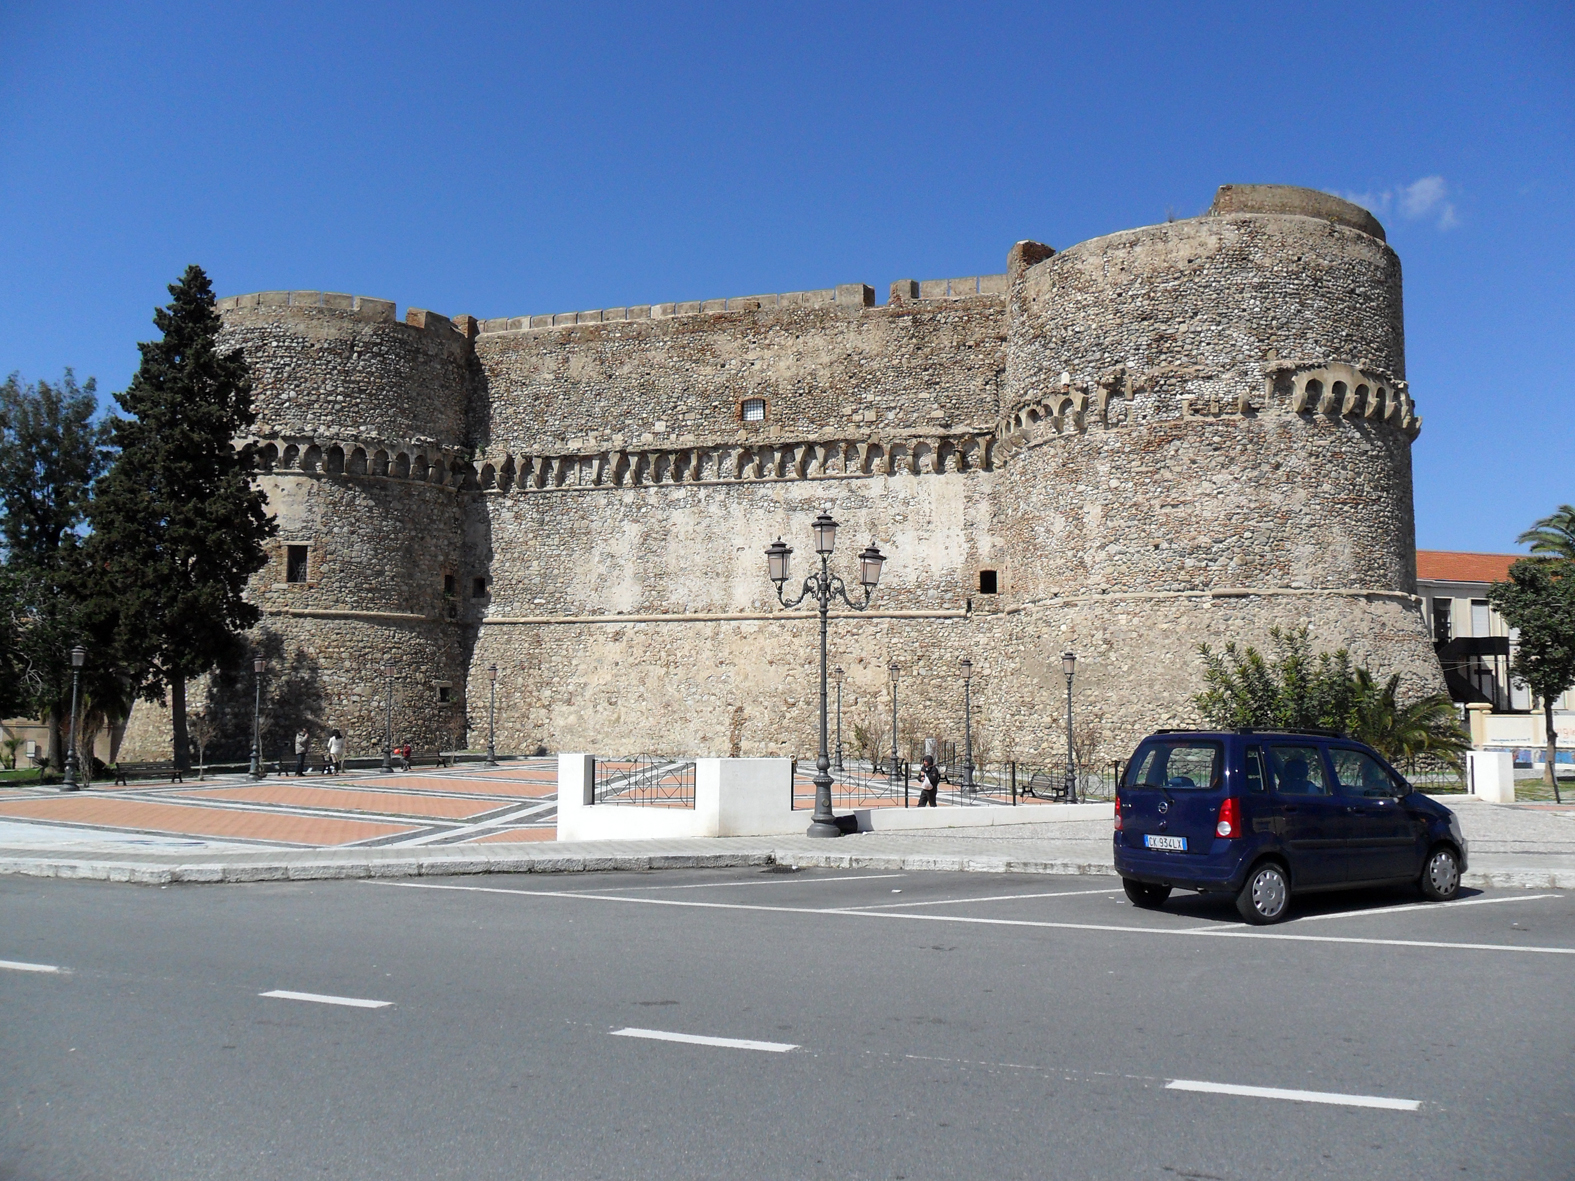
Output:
x=1262 y=815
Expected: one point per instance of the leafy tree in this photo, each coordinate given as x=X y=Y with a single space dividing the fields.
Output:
x=51 y=451
x=178 y=521
x=1406 y=734
x=1539 y=601
x=1298 y=689
x=1554 y=535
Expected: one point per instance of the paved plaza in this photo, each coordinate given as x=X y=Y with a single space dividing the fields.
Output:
x=465 y=805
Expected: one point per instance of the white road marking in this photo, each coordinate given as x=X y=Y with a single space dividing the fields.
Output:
x=962 y=901
x=19 y=966
x=863 y=877
x=1187 y=1084
x=1045 y=924
x=1356 y=914
x=285 y=994
x=694 y=1039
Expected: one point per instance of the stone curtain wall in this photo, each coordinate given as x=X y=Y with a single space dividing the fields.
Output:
x=1178 y=434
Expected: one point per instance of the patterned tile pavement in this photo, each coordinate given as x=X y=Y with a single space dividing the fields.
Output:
x=464 y=805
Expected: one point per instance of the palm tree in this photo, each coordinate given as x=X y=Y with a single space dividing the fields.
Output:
x=1554 y=535
x=1426 y=728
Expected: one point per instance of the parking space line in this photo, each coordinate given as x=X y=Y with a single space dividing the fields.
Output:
x=1378 y=1101
x=20 y=966
x=1042 y=924
x=1355 y=914
x=989 y=898
x=694 y=1039
x=353 y=1002
x=863 y=877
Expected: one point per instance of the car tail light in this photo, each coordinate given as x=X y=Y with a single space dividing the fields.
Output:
x=1230 y=819
x=1118 y=813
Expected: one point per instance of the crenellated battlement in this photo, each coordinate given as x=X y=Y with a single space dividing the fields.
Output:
x=455 y=469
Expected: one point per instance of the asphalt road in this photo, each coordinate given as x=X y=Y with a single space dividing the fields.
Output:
x=971 y=1025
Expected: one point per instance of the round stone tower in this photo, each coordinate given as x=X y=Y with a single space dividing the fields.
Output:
x=1206 y=432
x=361 y=423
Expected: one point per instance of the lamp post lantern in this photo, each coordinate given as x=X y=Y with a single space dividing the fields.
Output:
x=894 y=670
x=839 y=676
x=966 y=667
x=78 y=658
x=822 y=586
x=1069 y=667
x=492 y=717
x=388 y=719
x=259 y=666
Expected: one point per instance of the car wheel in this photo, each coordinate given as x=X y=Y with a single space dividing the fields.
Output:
x=1266 y=895
x=1441 y=875
x=1144 y=895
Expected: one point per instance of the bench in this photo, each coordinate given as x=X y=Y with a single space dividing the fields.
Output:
x=123 y=771
x=1044 y=787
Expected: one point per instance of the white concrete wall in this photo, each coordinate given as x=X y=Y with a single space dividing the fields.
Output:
x=754 y=797
x=1490 y=774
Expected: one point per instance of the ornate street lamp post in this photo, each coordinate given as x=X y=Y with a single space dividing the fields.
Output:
x=967 y=676
x=1069 y=667
x=492 y=717
x=78 y=658
x=388 y=719
x=838 y=676
x=822 y=586
x=259 y=666
x=894 y=670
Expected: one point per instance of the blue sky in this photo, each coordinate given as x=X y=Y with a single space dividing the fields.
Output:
x=517 y=159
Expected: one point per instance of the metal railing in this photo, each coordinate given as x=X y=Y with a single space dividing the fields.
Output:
x=649 y=780
x=864 y=784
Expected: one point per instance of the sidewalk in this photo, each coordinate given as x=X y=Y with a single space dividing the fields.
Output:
x=1529 y=846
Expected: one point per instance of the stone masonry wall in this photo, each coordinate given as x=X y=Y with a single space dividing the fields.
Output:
x=1181 y=434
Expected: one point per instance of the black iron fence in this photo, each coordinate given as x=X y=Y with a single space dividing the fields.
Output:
x=652 y=780
x=863 y=784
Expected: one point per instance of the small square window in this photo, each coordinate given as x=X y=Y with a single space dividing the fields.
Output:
x=753 y=410
x=445 y=694
x=478 y=588
x=450 y=585
x=988 y=584
x=295 y=563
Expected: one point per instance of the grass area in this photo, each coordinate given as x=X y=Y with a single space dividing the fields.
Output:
x=1533 y=789
x=27 y=777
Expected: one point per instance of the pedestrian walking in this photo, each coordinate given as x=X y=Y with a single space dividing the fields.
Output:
x=336 y=753
x=930 y=778
x=303 y=740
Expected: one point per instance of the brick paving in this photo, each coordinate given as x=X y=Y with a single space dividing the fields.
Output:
x=515 y=802
x=226 y=823
x=350 y=799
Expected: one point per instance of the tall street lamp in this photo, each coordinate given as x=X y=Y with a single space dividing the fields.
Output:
x=259 y=666
x=1069 y=667
x=967 y=675
x=838 y=676
x=894 y=670
x=492 y=717
x=78 y=658
x=823 y=585
x=388 y=719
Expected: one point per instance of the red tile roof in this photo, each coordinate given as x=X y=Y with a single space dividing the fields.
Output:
x=1442 y=566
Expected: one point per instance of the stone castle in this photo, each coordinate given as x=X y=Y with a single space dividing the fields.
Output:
x=1183 y=433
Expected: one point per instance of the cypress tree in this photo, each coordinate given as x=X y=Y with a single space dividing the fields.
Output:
x=178 y=521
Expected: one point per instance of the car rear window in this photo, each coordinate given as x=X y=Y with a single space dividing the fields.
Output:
x=1182 y=765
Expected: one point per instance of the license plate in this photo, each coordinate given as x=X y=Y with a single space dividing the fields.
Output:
x=1179 y=844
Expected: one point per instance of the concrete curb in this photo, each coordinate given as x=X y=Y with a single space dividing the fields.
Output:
x=329 y=865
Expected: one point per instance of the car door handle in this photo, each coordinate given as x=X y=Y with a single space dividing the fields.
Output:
x=1288 y=809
